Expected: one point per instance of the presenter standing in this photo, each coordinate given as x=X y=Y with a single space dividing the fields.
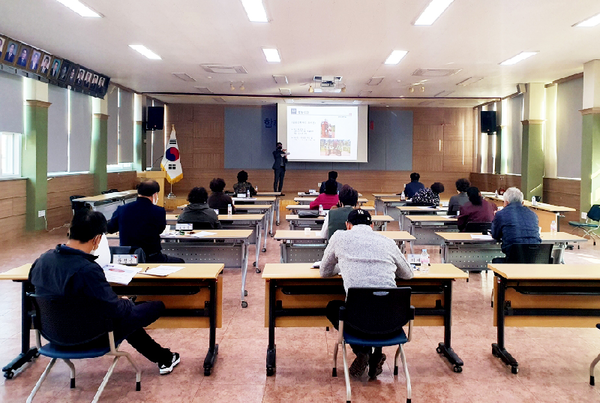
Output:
x=280 y=156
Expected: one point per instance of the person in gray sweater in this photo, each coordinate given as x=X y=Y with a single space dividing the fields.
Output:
x=363 y=258
x=198 y=212
x=457 y=201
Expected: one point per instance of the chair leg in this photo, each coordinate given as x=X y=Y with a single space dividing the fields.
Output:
x=396 y=361
x=592 y=366
x=138 y=373
x=408 y=389
x=41 y=380
x=106 y=378
x=335 y=353
x=346 y=374
x=72 y=368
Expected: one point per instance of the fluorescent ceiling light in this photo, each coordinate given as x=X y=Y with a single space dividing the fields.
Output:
x=272 y=55
x=518 y=58
x=432 y=12
x=146 y=52
x=590 y=22
x=255 y=10
x=80 y=8
x=396 y=56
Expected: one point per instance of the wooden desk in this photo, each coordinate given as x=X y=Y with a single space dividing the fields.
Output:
x=108 y=203
x=257 y=222
x=315 y=194
x=425 y=227
x=540 y=295
x=193 y=298
x=273 y=201
x=546 y=212
x=299 y=247
x=252 y=209
x=403 y=211
x=294 y=208
x=468 y=253
x=309 y=199
x=296 y=296
x=295 y=221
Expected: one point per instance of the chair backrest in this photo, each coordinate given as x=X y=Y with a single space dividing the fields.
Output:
x=128 y=250
x=202 y=225
x=377 y=311
x=77 y=205
x=529 y=253
x=481 y=227
x=594 y=213
x=70 y=321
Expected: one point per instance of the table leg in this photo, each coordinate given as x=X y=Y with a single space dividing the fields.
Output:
x=265 y=226
x=271 y=214
x=213 y=347
x=244 y=273
x=271 y=352
x=27 y=353
x=258 y=240
x=498 y=349
x=445 y=348
x=277 y=208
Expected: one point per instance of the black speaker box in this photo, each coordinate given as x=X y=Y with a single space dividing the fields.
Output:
x=156 y=117
x=488 y=121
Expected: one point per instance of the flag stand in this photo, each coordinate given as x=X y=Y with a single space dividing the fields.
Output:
x=171 y=195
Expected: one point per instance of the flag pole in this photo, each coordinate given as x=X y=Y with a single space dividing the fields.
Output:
x=171 y=195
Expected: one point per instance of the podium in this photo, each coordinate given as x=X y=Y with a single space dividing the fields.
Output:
x=158 y=176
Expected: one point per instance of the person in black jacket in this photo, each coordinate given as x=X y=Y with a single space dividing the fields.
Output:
x=218 y=199
x=141 y=222
x=280 y=156
x=71 y=270
x=198 y=212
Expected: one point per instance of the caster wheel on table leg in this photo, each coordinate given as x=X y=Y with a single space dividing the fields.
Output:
x=258 y=270
x=9 y=374
x=264 y=249
x=514 y=370
x=245 y=293
x=438 y=350
x=206 y=372
x=270 y=371
x=457 y=369
x=254 y=264
x=244 y=304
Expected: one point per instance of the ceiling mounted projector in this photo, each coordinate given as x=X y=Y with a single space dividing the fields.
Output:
x=328 y=84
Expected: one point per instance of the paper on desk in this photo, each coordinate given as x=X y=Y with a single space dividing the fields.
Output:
x=481 y=237
x=163 y=271
x=119 y=274
x=425 y=207
x=203 y=234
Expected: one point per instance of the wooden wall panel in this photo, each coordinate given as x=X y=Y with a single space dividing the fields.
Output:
x=12 y=210
x=60 y=188
x=122 y=180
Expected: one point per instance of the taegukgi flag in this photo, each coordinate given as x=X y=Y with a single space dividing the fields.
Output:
x=171 y=163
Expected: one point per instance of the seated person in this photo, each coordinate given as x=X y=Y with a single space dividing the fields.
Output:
x=515 y=223
x=70 y=270
x=364 y=258
x=457 y=201
x=198 y=212
x=218 y=199
x=141 y=222
x=428 y=196
x=327 y=199
x=332 y=175
x=336 y=218
x=414 y=186
x=477 y=209
x=243 y=185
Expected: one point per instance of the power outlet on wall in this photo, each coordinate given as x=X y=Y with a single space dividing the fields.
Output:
x=41 y=213
x=583 y=215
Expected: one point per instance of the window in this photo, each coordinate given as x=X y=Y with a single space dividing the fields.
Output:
x=10 y=154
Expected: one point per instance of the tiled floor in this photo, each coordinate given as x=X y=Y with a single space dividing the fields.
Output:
x=554 y=362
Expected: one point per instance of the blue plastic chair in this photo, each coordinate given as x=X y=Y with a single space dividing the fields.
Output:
x=375 y=317
x=593 y=365
x=76 y=328
x=588 y=227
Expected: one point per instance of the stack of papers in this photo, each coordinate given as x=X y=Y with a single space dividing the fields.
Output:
x=481 y=237
x=203 y=234
x=119 y=274
x=162 y=271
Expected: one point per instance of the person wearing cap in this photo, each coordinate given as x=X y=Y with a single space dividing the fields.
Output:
x=364 y=258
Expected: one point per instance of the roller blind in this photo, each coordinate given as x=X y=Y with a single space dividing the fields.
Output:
x=515 y=135
x=112 y=128
x=81 y=132
x=126 y=127
x=58 y=135
x=569 y=101
x=11 y=103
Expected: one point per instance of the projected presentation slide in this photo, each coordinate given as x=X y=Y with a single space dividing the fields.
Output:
x=322 y=132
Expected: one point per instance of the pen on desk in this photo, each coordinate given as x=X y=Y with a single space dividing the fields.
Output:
x=146 y=269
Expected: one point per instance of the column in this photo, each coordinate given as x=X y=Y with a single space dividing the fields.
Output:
x=99 y=150
x=590 y=136
x=532 y=159
x=34 y=165
x=139 y=141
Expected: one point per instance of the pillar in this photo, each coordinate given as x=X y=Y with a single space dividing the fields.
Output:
x=532 y=159
x=590 y=136
x=139 y=135
x=99 y=149
x=34 y=165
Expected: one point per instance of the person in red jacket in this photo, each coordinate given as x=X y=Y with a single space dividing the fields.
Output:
x=327 y=199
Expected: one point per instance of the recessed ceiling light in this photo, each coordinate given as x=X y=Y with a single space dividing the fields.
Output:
x=432 y=12
x=255 y=10
x=590 y=22
x=396 y=56
x=184 y=77
x=272 y=55
x=80 y=8
x=518 y=58
x=146 y=52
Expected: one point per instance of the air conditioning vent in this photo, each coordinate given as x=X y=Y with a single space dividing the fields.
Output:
x=223 y=69
x=435 y=72
x=184 y=76
x=203 y=90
